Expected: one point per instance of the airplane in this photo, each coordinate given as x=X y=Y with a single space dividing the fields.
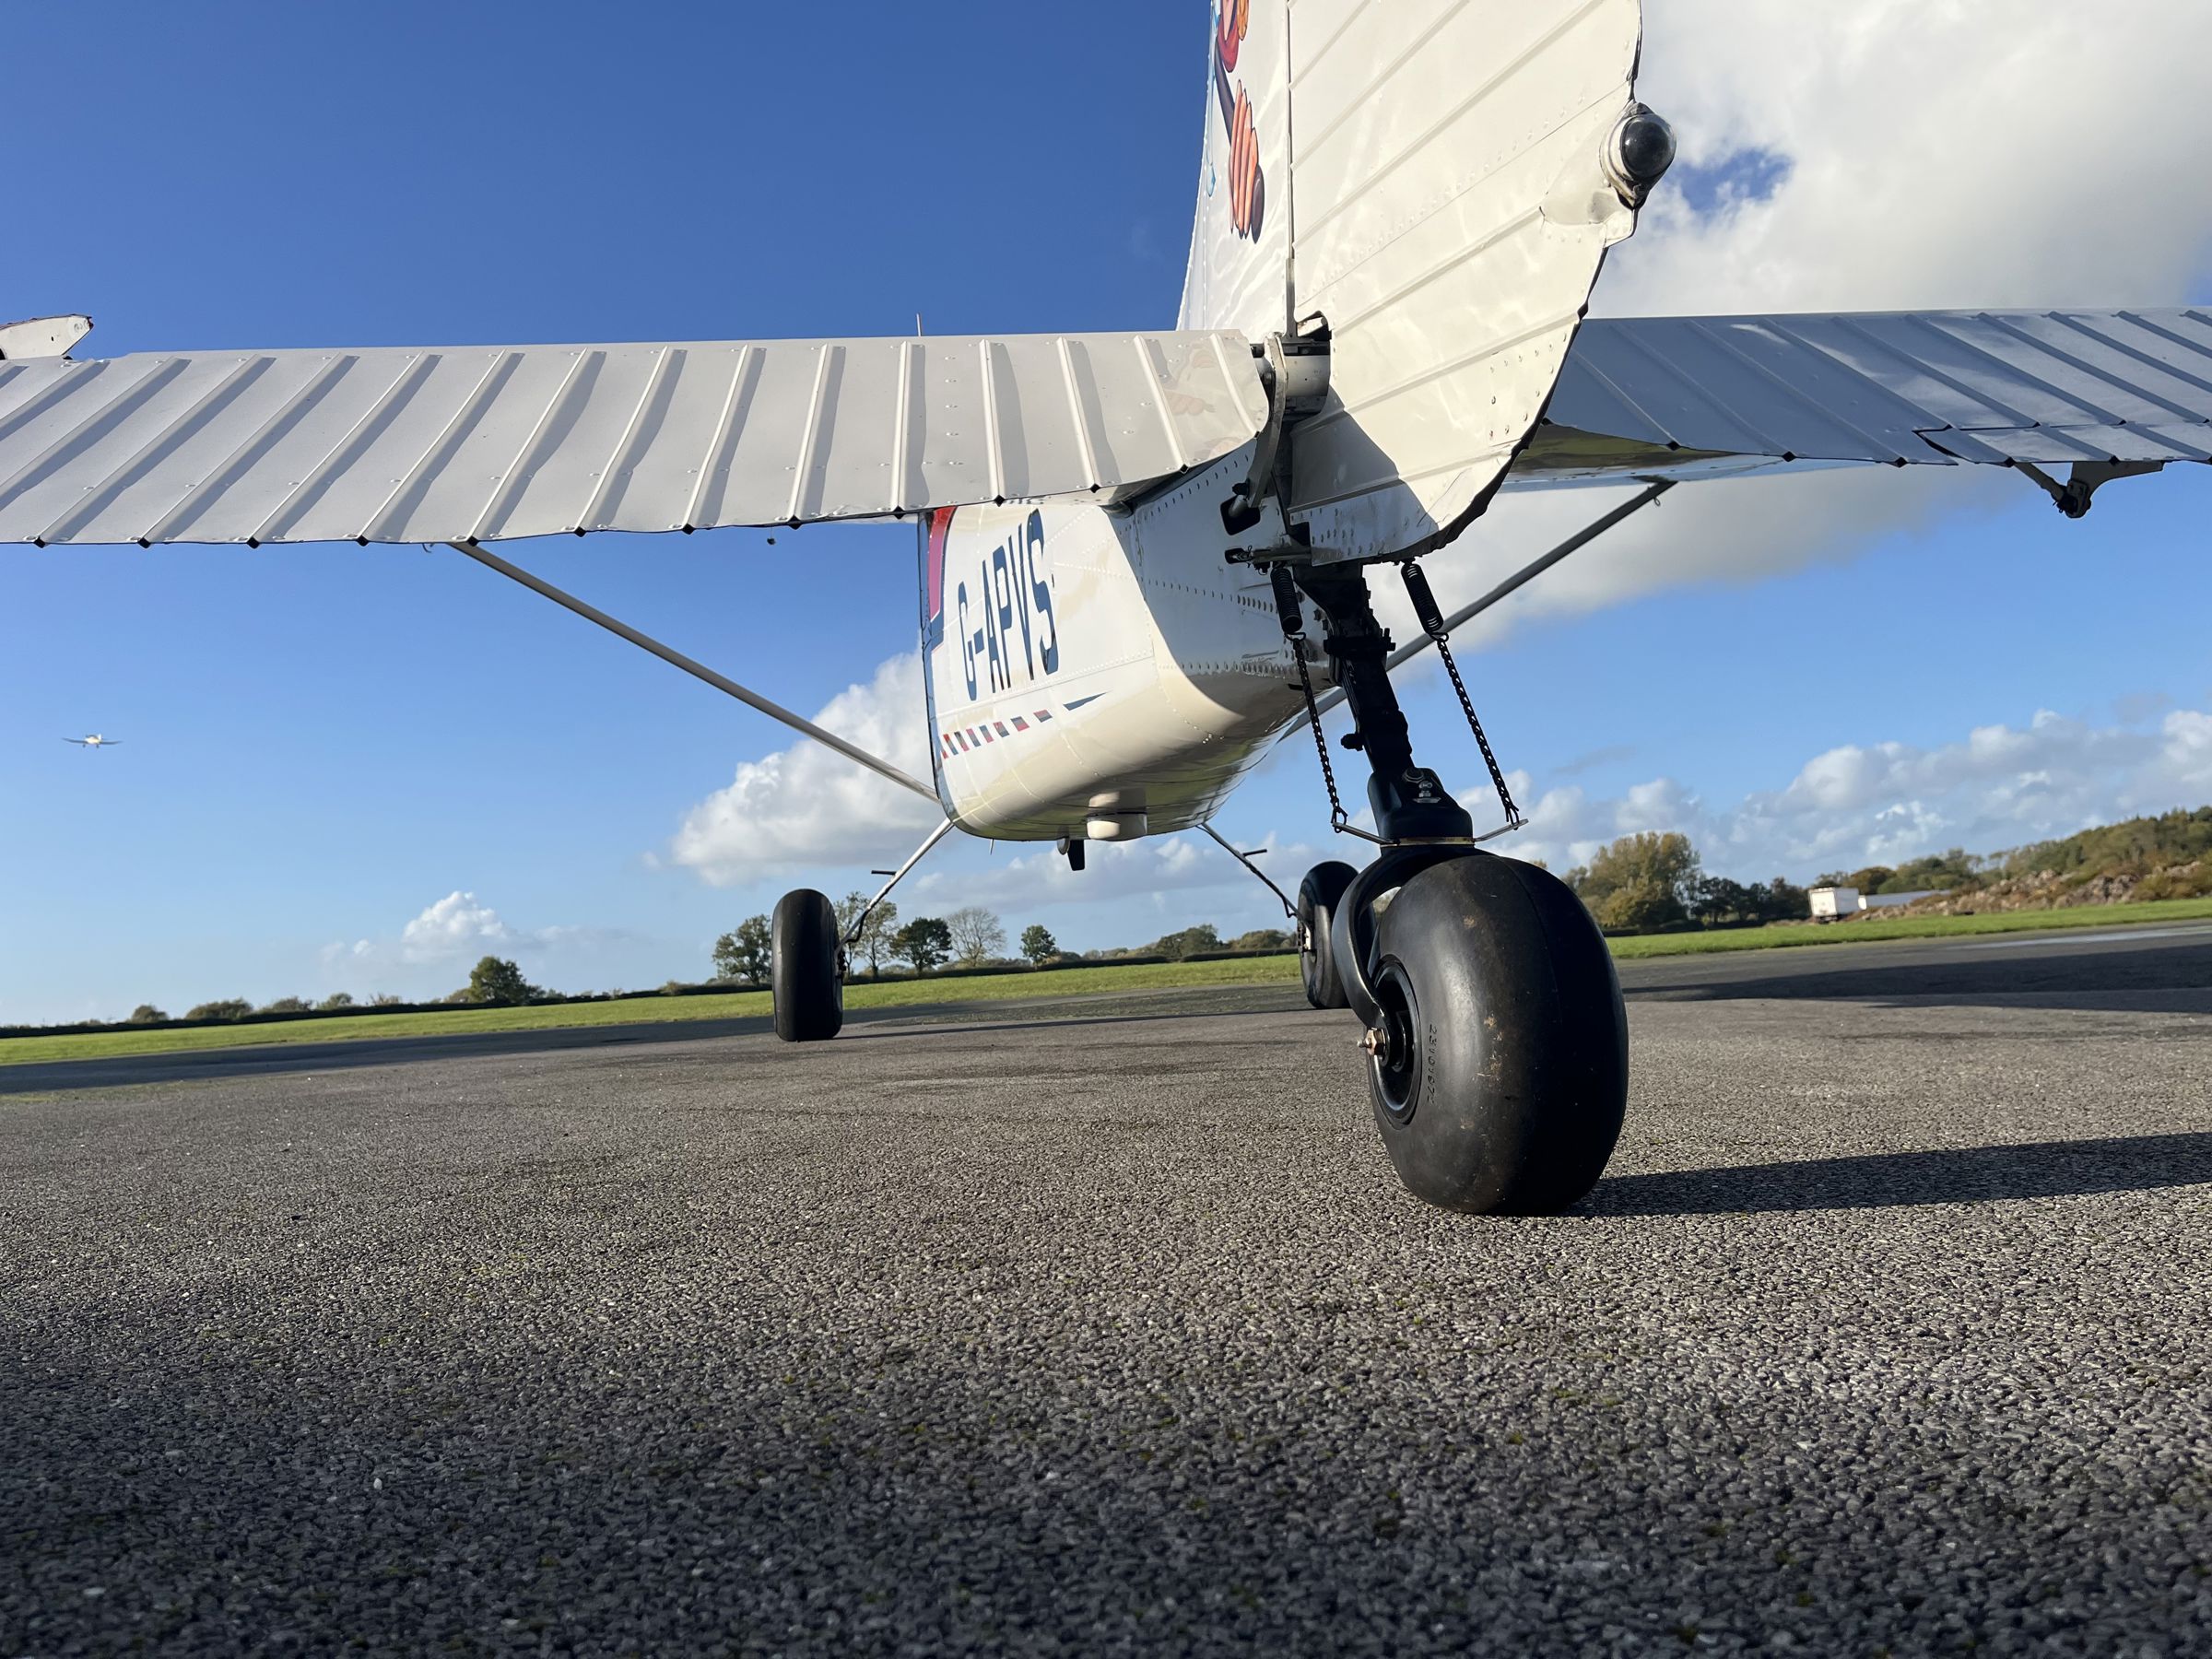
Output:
x=93 y=742
x=1144 y=558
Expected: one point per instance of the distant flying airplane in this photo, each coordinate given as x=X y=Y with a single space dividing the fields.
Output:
x=1141 y=554
x=94 y=741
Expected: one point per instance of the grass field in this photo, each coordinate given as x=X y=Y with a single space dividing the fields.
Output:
x=1916 y=927
x=1071 y=982
x=738 y=1005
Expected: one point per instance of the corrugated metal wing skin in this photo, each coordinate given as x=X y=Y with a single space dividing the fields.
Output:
x=1680 y=397
x=495 y=444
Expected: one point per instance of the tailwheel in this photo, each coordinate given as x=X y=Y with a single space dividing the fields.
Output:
x=805 y=974
x=1497 y=1057
x=1318 y=896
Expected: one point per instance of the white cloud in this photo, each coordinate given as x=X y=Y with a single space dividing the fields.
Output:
x=1998 y=787
x=806 y=806
x=1935 y=154
x=1938 y=153
x=457 y=929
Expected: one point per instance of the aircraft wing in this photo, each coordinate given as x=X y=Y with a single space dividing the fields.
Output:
x=494 y=443
x=1651 y=397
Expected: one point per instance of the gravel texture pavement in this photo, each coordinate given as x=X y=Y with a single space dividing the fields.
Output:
x=1104 y=1328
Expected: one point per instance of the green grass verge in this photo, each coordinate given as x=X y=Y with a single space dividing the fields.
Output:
x=1071 y=982
x=1915 y=927
x=739 y=1004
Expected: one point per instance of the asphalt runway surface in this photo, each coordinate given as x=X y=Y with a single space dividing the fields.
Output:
x=1103 y=1327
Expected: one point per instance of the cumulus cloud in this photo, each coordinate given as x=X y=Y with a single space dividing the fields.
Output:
x=805 y=806
x=1925 y=153
x=453 y=927
x=456 y=929
x=1887 y=154
x=1999 y=786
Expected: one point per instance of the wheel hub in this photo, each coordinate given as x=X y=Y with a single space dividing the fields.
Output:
x=1393 y=1054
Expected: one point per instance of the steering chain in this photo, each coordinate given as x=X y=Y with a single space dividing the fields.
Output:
x=1293 y=616
x=1433 y=623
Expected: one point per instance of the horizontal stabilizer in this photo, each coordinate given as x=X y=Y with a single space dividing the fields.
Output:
x=484 y=443
x=42 y=336
x=1648 y=398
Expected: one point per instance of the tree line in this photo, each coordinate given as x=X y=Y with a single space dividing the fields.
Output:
x=1645 y=883
x=494 y=982
x=1652 y=882
x=971 y=936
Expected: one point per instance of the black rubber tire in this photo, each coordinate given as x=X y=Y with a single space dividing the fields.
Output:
x=1506 y=1080
x=809 y=992
x=1317 y=897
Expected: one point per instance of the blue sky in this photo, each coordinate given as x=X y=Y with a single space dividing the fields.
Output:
x=322 y=745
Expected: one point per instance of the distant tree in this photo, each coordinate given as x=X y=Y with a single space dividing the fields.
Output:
x=1868 y=880
x=746 y=955
x=385 y=999
x=1782 y=900
x=497 y=979
x=147 y=1014
x=875 y=937
x=1943 y=872
x=926 y=941
x=1640 y=907
x=229 y=1007
x=1190 y=942
x=848 y=911
x=335 y=1001
x=1038 y=944
x=1716 y=901
x=1640 y=882
x=977 y=936
x=1262 y=939
x=287 y=1005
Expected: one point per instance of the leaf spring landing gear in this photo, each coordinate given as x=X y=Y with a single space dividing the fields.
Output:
x=1495 y=1037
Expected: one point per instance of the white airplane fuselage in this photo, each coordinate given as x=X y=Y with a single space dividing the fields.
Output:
x=1100 y=673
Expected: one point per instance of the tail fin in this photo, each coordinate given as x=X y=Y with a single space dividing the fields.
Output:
x=1240 y=271
x=1440 y=181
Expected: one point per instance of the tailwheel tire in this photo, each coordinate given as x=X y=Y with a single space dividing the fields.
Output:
x=1318 y=896
x=808 y=989
x=1498 y=1061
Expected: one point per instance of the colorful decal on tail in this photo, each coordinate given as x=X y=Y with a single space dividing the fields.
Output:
x=1247 y=179
x=934 y=537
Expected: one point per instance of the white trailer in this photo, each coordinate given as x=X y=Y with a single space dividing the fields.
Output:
x=1834 y=903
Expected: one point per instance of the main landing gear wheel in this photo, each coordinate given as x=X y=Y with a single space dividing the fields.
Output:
x=1318 y=896
x=809 y=990
x=1499 y=1060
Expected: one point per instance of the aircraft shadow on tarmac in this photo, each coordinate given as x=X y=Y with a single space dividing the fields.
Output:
x=1899 y=1179
x=2093 y=980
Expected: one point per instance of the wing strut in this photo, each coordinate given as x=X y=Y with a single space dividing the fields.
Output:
x=1513 y=585
x=860 y=921
x=828 y=740
x=1290 y=909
